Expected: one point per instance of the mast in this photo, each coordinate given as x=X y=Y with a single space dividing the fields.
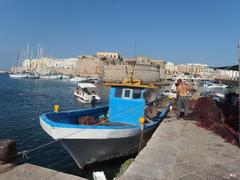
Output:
x=238 y=49
x=38 y=51
x=27 y=51
x=134 y=57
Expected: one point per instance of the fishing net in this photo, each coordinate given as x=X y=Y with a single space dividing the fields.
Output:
x=220 y=117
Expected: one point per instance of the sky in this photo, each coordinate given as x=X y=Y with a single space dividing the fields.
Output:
x=179 y=31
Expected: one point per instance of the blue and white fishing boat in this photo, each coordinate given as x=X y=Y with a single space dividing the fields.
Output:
x=106 y=132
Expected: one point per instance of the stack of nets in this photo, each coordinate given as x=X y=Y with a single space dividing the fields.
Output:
x=221 y=118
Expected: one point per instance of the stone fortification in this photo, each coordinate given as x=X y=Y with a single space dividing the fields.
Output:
x=89 y=66
x=143 y=72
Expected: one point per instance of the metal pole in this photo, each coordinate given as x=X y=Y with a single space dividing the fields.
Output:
x=238 y=46
x=238 y=49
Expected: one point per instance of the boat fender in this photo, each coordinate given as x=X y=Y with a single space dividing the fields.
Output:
x=56 y=108
x=141 y=120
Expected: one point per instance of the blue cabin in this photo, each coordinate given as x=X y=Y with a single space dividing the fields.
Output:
x=126 y=104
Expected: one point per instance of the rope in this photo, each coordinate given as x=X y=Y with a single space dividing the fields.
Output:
x=25 y=153
x=140 y=143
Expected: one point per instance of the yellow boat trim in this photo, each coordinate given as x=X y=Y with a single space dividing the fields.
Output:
x=132 y=83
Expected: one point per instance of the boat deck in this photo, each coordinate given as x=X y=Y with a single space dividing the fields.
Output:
x=180 y=150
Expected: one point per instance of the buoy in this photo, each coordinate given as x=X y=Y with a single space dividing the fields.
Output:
x=56 y=108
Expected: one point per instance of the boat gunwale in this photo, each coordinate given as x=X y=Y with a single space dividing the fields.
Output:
x=53 y=124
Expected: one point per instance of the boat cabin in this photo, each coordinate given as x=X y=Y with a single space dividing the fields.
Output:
x=126 y=102
x=86 y=88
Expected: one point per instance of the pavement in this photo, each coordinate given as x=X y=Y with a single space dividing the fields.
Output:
x=32 y=172
x=180 y=150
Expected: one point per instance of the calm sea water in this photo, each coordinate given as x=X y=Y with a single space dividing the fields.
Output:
x=21 y=103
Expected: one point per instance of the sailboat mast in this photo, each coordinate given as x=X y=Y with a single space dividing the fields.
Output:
x=238 y=49
x=27 y=50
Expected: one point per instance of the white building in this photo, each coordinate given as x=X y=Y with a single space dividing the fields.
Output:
x=26 y=63
x=171 y=68
x=44 y=62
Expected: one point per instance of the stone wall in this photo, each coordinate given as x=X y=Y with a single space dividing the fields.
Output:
x=141 y=71
x=89 y=66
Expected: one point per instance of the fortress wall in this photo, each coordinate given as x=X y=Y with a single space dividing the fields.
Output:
x=141 y=71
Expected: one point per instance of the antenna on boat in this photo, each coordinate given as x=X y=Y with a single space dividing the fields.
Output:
x=134 y=58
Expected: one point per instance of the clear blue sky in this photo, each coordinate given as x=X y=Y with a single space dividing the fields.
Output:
x=180 y=31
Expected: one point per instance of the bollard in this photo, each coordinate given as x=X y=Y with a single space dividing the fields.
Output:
x=7 y=150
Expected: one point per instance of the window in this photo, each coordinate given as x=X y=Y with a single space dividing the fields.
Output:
x=118 y=92
x=127 y=93
x=136 y=93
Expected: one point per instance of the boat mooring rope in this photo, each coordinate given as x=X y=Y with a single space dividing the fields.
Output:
x=140 y=143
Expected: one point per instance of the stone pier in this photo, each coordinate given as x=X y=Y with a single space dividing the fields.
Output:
x=179 y=149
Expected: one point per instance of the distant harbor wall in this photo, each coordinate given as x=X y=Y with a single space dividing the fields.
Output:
x=143 y=72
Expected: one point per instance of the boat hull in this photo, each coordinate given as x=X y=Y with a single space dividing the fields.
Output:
x=89 y=151
x=88 y=144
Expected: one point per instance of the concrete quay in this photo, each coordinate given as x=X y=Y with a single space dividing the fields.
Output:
x=32 y=172
x=179 y=150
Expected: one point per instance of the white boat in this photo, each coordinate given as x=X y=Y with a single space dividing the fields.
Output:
x=18 y=76
x=106 y=132
x=65 y=76
x=209 y=84
x=51 y=76
x=86 y=93
x=94 y=80
x=78 y=79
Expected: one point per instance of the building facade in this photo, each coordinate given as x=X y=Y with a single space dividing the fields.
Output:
x=111 y=55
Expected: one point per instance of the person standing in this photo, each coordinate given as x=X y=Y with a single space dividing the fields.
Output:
x=182 y=90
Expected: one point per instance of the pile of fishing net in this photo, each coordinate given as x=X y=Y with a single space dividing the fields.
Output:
x=221 y=117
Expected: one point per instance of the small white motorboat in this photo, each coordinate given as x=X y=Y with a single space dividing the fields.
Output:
x=18 y=75
x=50 y=76
x=78 y=79
x=86 y=93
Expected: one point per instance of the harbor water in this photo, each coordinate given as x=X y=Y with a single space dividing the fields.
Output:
x=21 y=103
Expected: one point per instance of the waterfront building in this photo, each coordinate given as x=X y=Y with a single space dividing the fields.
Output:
x=111 y=55
x=226 y=74
x=26 y=63
x=69 y=63
x=182 y=68
x=171 y=68
x=45 y=62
